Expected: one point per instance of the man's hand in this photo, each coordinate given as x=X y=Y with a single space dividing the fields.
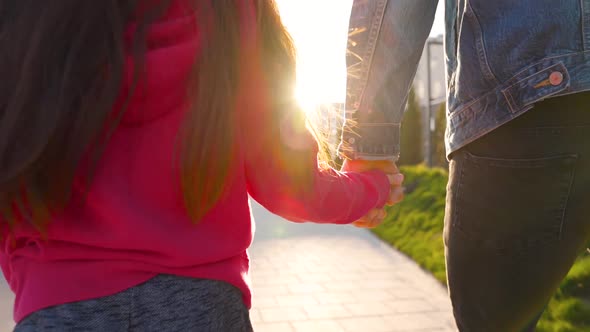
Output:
x=376 y=216
x=359 y=165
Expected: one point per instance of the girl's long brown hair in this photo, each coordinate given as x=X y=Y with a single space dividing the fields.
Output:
x=61 y=71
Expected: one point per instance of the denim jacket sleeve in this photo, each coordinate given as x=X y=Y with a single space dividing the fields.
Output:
x=386 y=40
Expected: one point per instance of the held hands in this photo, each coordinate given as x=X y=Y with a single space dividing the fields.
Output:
x=376 y=216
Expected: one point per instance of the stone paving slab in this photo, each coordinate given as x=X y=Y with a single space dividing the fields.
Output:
x=327 y=278
x=6 y=302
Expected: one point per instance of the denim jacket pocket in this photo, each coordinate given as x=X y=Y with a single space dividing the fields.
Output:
x=512 y=205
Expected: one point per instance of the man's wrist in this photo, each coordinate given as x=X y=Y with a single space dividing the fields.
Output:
x=361 y=165
x=371 y=142
x=372 y=158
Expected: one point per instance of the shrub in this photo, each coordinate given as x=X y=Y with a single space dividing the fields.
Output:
x=411 y=133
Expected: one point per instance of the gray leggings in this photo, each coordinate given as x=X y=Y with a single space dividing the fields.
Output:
x=164 y=303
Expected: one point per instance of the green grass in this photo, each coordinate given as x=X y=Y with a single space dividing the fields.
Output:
x=415 y=227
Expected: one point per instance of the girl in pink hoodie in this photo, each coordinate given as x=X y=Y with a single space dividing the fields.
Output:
x=131 y=133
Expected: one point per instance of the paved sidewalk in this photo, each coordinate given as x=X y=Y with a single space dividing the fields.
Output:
x=6 y=300
x=328 y=278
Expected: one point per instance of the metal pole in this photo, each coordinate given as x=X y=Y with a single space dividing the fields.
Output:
x=429 y=89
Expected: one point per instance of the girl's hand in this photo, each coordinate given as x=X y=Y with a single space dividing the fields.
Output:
x=396 y=194
x=376 y=216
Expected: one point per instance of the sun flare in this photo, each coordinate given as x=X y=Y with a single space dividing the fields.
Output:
x=319 y=29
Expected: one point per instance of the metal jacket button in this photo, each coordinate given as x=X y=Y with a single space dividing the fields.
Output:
x=555 y=78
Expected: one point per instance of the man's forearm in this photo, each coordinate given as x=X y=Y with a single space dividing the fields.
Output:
x=386 y=40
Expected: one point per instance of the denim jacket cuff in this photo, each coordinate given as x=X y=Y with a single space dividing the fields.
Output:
x=371 y=141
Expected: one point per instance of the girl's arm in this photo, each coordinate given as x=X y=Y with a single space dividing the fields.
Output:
x=284 y=176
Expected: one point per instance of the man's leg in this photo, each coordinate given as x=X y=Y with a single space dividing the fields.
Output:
x=517 y=216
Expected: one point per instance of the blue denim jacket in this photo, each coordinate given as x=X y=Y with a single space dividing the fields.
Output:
x=502 y=56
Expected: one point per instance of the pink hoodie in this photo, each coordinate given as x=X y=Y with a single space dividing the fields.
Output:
x=134 y=225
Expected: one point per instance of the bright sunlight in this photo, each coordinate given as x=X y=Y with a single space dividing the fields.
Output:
x=319 y=28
